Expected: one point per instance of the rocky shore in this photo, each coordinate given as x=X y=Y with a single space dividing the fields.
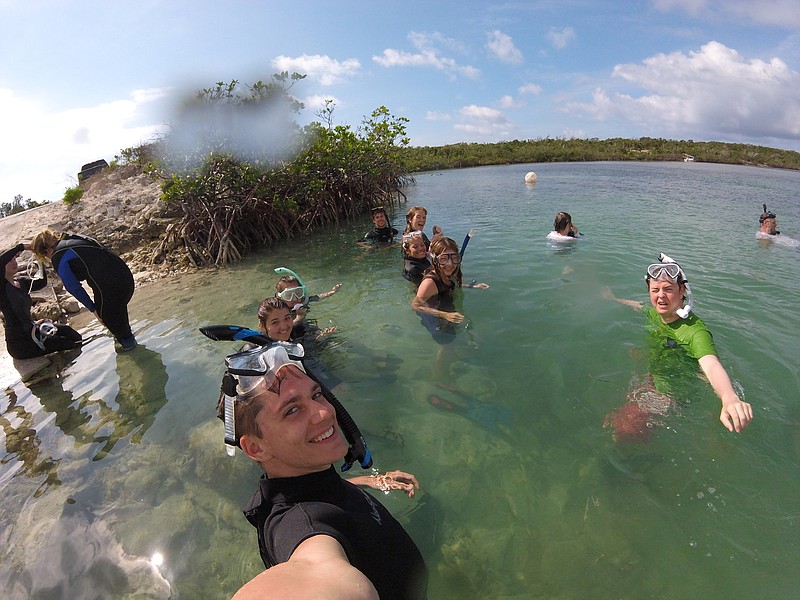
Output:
x=121 y=208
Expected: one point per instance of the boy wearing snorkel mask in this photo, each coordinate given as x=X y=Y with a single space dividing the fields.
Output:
x=318 y=535
x=671 y=314
x=291 y=289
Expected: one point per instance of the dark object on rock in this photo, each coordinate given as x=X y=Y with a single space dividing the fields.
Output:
x=91 y=168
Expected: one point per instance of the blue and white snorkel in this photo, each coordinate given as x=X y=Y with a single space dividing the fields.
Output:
x=687 y=308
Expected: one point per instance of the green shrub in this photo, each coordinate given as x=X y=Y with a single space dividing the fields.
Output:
x=72 y=195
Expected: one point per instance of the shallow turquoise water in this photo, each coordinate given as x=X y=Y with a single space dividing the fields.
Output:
x=525 y=494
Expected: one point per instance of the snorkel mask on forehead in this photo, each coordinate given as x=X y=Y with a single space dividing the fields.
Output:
x=246 y=370
x=669 y=269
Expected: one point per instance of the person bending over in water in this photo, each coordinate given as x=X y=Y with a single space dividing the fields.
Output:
x=24 y=338
x=319 y=535
x=769 y=222
x=291 y=290
x=78 y=258
x=671 y=314
x=416 y=217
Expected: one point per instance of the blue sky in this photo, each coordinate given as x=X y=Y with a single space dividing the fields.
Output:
x=81 y=80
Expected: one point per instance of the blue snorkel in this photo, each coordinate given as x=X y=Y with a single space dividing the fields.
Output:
x=467 y=238
x=357 y=451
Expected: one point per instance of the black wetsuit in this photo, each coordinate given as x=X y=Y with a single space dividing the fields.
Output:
x=77 y=258
x=443 y=331
x=414 y=269
x=15 y=303
x=290 y=510
x=383 y=235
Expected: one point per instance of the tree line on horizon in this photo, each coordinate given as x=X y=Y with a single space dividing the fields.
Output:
x=463 y=155
x=241 y=174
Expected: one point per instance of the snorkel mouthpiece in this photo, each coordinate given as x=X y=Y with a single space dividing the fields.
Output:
x=687 y=308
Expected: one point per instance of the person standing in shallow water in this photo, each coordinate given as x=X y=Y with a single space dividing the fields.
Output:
x=77 y=258
x=383 y=232
x=672 y=314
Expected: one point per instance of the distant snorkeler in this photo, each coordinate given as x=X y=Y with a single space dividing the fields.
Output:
x=768 y=222
x=291 y=289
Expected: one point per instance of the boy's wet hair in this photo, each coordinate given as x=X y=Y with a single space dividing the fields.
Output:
x=284 y=282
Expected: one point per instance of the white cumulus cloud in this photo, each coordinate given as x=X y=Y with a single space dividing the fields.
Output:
x=714 y=92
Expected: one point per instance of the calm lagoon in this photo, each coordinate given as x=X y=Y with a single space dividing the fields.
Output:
x=114 y=481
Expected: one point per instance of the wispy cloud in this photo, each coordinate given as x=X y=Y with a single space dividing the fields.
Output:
x=559 y=38
x=72 y=138
x=501 y=46
x=428 y=54
x=326 y=70
x=530 y=88
x=483 y=121
x=781 y=13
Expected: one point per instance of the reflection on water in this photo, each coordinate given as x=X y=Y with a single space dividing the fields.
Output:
x=120 y=457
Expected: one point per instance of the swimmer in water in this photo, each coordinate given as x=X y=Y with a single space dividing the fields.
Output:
x=672 y=314
x=276 y=322
x=415 y=257
x=563 y=226
x=416 y=217
x=291 y=290
x=383 y=233
x=306 y=515
x=768 y=222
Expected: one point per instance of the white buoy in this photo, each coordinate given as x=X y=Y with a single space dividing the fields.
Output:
x=530 y=177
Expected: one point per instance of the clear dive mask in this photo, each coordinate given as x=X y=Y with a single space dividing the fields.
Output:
x=244 y=371
x=292 y=294
x=672 y=270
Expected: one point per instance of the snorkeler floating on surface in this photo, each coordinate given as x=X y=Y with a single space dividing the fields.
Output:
x=564 y=229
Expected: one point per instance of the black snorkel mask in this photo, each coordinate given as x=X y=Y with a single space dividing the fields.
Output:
x=245 y=370
x=767 y=214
